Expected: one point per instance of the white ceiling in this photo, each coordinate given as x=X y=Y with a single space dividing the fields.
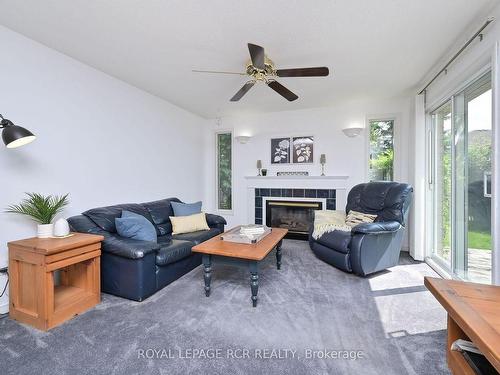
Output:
x=373 y=48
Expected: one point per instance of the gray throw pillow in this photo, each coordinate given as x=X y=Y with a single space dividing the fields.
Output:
x=186 y=209
x=135 y=226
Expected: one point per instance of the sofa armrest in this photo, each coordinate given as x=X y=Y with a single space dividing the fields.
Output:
x=215 y=220
x=377 y=228
x=128 y=248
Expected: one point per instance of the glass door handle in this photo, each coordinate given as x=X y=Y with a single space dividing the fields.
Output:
x=485 y=184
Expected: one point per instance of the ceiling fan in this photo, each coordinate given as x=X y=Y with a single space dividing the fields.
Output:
x=261 y=68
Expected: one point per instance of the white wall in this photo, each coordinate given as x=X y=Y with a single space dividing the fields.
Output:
x=345 y=156
x=99 y=139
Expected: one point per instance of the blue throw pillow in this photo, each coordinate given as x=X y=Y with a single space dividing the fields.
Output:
x=135 y=226
x=186 y=209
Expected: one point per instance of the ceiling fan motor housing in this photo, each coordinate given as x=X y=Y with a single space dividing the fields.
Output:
x=260 y=74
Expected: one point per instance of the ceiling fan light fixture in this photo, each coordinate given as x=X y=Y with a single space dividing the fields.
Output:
x=261 y=68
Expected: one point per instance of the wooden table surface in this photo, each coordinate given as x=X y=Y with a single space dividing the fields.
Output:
x=257 y=251
x=476 y=309
x=48 y=246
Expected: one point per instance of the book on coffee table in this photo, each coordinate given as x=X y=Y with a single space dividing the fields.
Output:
x=252 y=233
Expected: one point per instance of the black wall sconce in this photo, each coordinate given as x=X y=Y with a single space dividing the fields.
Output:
x=14 y=136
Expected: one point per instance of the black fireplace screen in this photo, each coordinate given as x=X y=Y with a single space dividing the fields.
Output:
x=295 y=216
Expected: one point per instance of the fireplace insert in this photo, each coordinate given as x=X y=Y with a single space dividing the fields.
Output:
x=296 y=216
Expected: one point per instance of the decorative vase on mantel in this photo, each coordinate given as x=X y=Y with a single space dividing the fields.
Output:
x=322 y=161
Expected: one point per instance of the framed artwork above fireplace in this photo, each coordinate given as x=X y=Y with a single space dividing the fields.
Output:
x=280 y=150
x=303 y=150
x=296 y=150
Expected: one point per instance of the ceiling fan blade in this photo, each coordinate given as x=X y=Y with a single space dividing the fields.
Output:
x=321 y=71
x=217 y=72
x=282 y=90
x=247 y=86
x=257 y=55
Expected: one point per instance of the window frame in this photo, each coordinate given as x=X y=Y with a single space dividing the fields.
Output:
x=216 y=139
x=395 y=142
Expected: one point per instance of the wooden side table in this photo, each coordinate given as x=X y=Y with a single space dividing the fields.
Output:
x=473 y=315
x=35 y=297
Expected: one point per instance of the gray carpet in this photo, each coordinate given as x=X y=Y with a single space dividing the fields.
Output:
x=390 y=318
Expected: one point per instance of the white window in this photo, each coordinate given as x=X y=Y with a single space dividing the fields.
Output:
x=381 y=150
x=224 y=145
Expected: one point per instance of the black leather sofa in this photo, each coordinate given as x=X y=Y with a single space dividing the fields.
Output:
x=369 y=247
x=137 y=269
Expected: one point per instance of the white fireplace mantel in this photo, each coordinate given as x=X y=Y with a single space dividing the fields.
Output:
x=298 y=182
x=296 y=177
x=339 y=183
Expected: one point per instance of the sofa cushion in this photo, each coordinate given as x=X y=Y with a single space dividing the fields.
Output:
x=173 y=251
x=160 y=210
x=127 y=247
x=135 y=226
x=188 y=224
x=186 y=209
x=164 y=240
x=164 y=229
x=197 y=237
x=338 y=240
x=105 y=217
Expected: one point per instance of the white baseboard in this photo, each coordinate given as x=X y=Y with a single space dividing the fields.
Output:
x=4 y=300
x=4 y=308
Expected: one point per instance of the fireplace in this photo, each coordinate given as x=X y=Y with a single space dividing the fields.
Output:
x=296 y=216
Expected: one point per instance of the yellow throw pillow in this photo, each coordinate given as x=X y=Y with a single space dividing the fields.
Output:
x=188 y=224
x=354 y=218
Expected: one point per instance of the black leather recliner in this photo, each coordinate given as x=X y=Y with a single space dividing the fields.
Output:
x=137 y=269
x=369 y=247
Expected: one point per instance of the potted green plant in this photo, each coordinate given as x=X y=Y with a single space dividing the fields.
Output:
x=41 y=209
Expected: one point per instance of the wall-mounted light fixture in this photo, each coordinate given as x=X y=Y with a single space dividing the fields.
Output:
x=243 y=139
x=14 y=136
x=353 y=130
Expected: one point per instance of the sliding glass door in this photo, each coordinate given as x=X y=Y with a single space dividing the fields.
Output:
x=441 y=121
x=461 y=182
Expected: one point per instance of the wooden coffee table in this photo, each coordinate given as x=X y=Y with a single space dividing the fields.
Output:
x=238 y=254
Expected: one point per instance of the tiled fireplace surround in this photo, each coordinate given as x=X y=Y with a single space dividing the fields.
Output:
x=326 y=196
x=331 y=191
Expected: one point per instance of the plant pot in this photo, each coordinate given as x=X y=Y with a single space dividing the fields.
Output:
x=45 y=230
